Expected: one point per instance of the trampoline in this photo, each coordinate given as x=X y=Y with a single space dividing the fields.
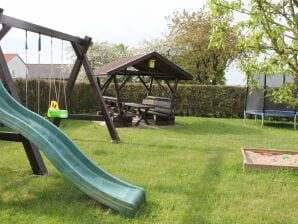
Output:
x=259 y=103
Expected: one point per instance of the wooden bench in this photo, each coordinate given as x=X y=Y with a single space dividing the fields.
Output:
x=162 y=109
x=120 y=117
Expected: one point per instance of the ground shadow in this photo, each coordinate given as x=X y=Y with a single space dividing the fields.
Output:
x=210 y=126
x=203 y=193
x=60 y=199
x=279 y=125
x=6 y=174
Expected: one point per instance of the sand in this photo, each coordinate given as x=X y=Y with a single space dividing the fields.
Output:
x=273 y=158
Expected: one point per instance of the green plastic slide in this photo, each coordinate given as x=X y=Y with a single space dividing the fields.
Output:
x=123 y=197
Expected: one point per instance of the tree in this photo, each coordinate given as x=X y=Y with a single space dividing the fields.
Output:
x=189 y=35
x=269 y=37
x=102 y=53
x=161 y=45
x=186 y=44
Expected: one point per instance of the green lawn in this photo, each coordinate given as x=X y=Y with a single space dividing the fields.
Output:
x=192 y=173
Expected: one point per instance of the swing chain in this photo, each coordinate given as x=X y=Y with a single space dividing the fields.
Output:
x=62 y=78
x=26 y=61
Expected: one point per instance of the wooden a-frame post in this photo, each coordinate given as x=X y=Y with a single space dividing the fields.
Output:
x=81 y=50
x=37 y=165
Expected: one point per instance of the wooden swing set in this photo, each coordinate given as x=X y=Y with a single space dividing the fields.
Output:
x=80 y=47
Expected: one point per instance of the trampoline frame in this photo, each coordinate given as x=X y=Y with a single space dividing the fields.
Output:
x=265 y=112
x=271 y=113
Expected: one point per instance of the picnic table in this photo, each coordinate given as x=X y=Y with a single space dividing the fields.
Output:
x=142 y=111
x=110 y=99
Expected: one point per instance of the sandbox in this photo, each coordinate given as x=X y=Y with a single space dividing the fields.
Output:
x=269 y=159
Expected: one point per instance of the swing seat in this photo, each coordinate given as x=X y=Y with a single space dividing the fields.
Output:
x=57 y=113
x=54 y=111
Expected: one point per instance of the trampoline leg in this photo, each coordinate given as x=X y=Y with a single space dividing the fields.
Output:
x=295 y=122
x=255 y=118
x=244 y=117
x=262 y=120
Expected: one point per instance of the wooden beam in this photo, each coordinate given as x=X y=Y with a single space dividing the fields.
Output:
x=98 y=82
x=150 y=86
x=174 y=93
x=176 y=85
x=107 y=83
x=117 y=95
x=37 y=165
x=69 y=87
x=143 y=82
x=4 y=31
x=11 y=136
x=170 y=87
x=144 y=73
x=71 y=81
x=124 y=82
x=161 y=86
x=72 y=78
x=35 y=159
x=89 y=117
x=6 y=78
x=83 y=58
x=21 y=24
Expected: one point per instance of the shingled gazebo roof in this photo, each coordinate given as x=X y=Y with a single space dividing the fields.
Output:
x=163 y=69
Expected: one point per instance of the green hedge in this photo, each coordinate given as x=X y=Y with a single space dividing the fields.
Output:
x=190 y=100
x=210 y=101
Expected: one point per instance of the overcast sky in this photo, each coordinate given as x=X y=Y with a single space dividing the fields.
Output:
x=128 y=22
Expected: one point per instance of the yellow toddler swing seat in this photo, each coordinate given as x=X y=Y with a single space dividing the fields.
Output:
x=55 y=112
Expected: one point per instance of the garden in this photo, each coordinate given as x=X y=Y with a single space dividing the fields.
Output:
x=108 y=135
x=192 y=174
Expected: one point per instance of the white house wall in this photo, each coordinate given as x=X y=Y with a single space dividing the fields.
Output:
x=17 y=68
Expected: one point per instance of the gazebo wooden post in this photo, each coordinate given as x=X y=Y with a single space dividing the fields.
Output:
x=150 y=86
x=106 y=84
x=125 y=81
x=162 y=87
x=174 y=90
x=119 y=103
x=98 y=82
x=143 y=82
x=169 y=86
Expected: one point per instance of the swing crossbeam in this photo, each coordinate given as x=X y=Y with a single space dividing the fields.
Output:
x=21 y=24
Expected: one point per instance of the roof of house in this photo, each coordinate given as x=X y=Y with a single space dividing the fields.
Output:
x=163 y=69
x=45 y=71
x=8 y=57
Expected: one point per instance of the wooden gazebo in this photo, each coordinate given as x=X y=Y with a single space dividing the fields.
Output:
x=148 y=68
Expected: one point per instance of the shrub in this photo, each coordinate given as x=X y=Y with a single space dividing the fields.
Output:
x=190 y=100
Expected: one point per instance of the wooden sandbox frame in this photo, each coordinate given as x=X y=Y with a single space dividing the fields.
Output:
x=272 y=159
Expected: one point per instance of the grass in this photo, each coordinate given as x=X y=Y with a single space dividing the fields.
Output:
x=192 y=173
